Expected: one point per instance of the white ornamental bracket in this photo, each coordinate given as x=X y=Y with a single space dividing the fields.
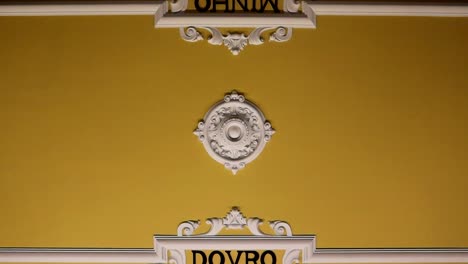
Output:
x=172 y=249
x=234 y=132
x=277 y=27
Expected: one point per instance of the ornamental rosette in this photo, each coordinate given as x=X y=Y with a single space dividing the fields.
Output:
x=234 y=132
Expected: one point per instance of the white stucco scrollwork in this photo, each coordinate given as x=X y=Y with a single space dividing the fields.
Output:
x=216 y=226
x=236 y=42
x=186 y=228
x=292 y=256
x=234 y=219
x=281 y=228
x=190 y=34
x=216 y=36
x=234 y=132
x=178 y=5
x=255 y=37
x=291 y=6
x=176 y=256
x=281 y=34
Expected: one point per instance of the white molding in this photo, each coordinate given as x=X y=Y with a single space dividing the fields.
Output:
x=235 y=242
x=291 y=7
x=278 y=236
x=296 y=14
x=303 y=244
x=321 y=255
x=234 y=20
x=387 y=9
x=78 y=255
x=396 y=255
x=83 y=8
x=151 y=7
x=234 y=131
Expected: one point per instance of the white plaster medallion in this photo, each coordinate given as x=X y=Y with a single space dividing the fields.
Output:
x=234 y=132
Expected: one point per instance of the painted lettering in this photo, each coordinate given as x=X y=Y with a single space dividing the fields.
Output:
x=258 y=6
x=217 y=257
x=219 y=253
x=204 y=8
x=253 y=259
x=201 y=253
x=239 y=253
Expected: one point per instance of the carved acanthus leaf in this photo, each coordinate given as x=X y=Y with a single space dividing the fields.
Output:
x=216 y=36
x=255 y=37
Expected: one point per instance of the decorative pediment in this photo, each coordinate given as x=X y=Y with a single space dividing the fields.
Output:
x=276 y=236
x=234 y=220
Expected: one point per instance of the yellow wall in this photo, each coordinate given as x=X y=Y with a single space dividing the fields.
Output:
x=97 y=114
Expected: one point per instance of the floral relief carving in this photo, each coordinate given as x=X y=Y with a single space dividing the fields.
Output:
x=234 y=132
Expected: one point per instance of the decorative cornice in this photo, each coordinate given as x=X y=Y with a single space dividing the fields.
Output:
x=295 y=14
x=82 y=8
x=349 y=8
x=279 y=236
x=291 y=7
x=148 y=255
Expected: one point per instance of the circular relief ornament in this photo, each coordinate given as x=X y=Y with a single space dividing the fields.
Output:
x=234 y=132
